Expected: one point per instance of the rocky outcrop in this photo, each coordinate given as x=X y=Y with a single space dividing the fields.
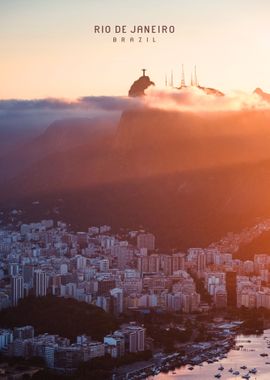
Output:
x=262 y=94
x=140 y=85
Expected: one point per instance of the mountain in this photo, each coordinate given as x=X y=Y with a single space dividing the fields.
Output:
x=260 y=244
x=156 y=142
x=140 y=85
x=183 y=209
x=188 y=177
x=211 y=91
x=47 y=314
x=12 y=137
x=147 y=143
x=262 y=94
x=60 y=136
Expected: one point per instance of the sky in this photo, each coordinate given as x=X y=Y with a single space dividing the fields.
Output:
x=48 y=48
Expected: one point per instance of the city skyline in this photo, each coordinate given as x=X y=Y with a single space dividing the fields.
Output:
x=112 y=274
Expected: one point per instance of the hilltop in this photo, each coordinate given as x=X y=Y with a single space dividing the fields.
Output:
x=56 y=315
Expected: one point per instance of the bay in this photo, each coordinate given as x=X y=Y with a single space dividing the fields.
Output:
x=249 y=354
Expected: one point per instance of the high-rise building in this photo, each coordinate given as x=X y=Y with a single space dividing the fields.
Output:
x=115 y=344
x=191 y=302
x=149 y=263
x=81 y=262
x=174 y=301
x=148 y=300
x=17 y=289
x=124 y=255
x=117 y=300
x=104 y=303
x=104 y=287
x=146 y=240
x=248 y=266
x=193 y=253
x=132 y=282
x=154 y=263
x=134 y=337
x=201 y=263
x=13 y=269
x=143 y=264
x=104 y=265
x=6 y=337
x=213 y=280
x=40 y=283
x=167 y=265
x=24 y=332
x=231 y=287
x=178 y=262
x=220 y=297
x=4 y=300
x=28 y=273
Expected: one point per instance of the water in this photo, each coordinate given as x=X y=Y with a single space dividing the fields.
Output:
x=249 y=356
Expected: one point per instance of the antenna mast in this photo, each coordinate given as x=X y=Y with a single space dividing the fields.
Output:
x=195 y=76
x=183 y=83
x=172 y=78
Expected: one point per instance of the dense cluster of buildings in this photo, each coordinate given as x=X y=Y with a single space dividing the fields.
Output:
x=59 y=353
x=119 y=273
x=114 y=272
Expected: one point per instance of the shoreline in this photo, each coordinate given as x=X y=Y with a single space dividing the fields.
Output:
x=197 y=354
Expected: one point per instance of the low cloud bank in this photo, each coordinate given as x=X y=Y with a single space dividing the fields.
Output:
x=36 y=112
x=193 y=99
x=42 y=112
x=94 y=103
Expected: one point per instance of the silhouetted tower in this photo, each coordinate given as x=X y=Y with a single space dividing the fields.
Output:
x=191 y=80
x=183 y=83
x=171 y=84
x=195 y=77
x=143 y=70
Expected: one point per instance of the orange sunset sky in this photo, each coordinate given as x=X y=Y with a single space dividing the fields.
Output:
x=48 y=48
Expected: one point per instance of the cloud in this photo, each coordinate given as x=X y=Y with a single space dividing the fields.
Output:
x=16 y=113
x=42 y=112
x=110 y=103
x=17 y=105
x=188 y=99
x=193 y=99
x=104 y=103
